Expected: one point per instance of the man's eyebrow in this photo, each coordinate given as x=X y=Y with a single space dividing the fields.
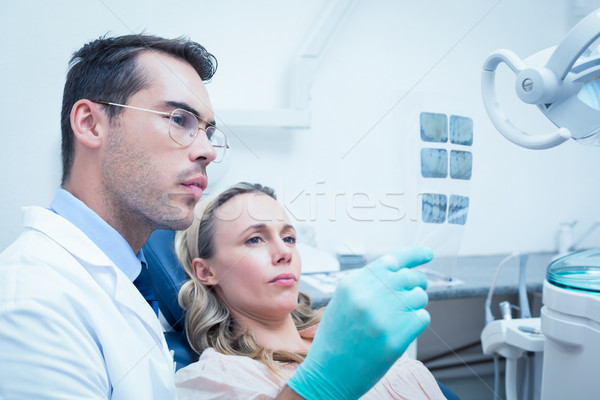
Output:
x=187 y=107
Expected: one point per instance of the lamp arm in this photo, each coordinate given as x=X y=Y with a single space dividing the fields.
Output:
x=503 y=124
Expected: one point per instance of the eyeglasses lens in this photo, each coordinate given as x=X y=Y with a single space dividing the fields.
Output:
x=183 y=128
x=218 y=141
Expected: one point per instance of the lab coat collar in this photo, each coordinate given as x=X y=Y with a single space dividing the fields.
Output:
x=65 y=234
x=112 y=280
x=112 y=244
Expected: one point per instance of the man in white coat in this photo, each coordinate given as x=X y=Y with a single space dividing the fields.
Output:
x=137 y=136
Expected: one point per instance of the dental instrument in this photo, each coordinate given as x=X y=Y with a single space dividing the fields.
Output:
x=513 y=339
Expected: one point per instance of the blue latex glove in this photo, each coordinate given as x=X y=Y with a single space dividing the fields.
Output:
x=373 y=316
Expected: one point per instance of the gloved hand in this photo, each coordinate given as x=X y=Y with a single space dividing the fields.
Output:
x=373 y=316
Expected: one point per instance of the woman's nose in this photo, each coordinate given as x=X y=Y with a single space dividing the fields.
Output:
x=282 y=253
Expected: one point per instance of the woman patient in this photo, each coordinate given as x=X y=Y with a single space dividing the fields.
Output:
x=244 y=313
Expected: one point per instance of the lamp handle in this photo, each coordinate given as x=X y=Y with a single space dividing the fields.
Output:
x=503 y=124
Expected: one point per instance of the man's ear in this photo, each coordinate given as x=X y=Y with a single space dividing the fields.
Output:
x=89 y=122
x=203 y=271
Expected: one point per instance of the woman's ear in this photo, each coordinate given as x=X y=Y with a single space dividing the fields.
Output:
x=203 y=271
x=88 y=122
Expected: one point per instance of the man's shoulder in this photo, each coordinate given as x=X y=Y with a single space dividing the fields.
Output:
x=32 y=249
x=36 y=267
x=49 y=239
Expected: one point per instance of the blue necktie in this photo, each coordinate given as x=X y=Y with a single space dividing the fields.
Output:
x=144 y=284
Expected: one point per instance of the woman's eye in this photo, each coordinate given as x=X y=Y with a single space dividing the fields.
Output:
x=253 y=240
x=290 y=239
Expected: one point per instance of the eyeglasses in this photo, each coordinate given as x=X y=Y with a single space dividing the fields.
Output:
x=184 y=127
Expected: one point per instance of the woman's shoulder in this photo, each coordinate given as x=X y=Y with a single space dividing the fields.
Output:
x=211 y=362
x=230 y=375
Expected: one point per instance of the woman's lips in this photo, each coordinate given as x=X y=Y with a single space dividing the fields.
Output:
x=284 y=280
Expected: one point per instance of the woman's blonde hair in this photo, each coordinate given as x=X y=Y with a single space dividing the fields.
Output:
x=208 y=322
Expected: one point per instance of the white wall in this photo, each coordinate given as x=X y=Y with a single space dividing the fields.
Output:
x=389 y=61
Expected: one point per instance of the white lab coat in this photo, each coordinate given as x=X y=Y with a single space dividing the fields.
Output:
x=72 y=325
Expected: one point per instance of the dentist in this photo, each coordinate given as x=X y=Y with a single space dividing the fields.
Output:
x=77 y=315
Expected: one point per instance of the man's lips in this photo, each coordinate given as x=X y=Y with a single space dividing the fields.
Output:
x=196 y=185
x=284 y=280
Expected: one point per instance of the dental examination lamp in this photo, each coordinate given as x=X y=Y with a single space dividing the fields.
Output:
x=561 y=81
x=564 y=84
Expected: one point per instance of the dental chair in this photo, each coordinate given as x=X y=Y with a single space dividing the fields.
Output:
x=168 y=276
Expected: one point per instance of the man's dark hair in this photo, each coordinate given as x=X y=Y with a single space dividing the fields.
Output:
x=106 y=69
